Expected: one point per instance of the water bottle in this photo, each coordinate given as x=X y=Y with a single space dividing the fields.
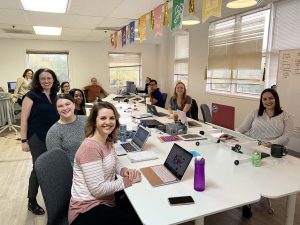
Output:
x=185 y=128
x=123 y=131
x=199 y=174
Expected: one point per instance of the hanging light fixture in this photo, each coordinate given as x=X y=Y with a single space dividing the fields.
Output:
x=238 y=4
x=191 y=19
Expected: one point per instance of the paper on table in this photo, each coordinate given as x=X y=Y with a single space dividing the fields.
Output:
x=141 y=156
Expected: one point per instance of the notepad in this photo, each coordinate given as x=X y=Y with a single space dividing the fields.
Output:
x=141 y=156
x=169 y=138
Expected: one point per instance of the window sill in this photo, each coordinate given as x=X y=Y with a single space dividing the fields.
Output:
x=247 y=97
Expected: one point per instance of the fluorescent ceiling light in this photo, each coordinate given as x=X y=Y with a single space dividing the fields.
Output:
x=52 y=6
x=190 y=20
x=238 y=4
x=47 y=30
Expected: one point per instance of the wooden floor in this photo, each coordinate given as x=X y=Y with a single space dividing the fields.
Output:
x=15 y=167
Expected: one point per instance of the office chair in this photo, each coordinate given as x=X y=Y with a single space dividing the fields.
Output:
x=194 y=110
x=205 y=113
x=164 y=97
x=55 y=173
x=86 y=95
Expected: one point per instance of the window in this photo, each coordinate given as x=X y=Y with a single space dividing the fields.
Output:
x=181 y=62
x=124 y=67
x=237 y=54
x=56 y=61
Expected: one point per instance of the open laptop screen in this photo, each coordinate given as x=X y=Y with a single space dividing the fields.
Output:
x=178 y=160
x=140 y=137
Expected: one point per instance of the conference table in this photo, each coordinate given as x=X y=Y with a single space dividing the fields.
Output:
x=227 y=186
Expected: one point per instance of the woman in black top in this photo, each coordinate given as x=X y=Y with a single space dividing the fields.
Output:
x=78 y=95
x=38 y=115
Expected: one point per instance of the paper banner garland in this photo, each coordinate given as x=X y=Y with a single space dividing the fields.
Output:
x=177 y=14
x=211 y=8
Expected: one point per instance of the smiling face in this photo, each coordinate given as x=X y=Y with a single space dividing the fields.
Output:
x=268 y=101
x=65 y=108
x=78 y=97
x=105 y=122
x=46 y=80
x=29 y=75
x=180 y=89
x=66 y=88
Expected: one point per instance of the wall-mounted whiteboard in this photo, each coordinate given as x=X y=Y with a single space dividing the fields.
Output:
x=288 y=87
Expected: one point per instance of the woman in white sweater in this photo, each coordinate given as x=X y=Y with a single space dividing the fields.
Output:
x=22 y=86
x=269 y=124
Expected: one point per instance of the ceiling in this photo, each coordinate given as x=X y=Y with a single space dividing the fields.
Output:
x=85 y=20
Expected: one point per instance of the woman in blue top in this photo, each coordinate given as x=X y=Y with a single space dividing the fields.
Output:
x=180 y=100
x=38 y=115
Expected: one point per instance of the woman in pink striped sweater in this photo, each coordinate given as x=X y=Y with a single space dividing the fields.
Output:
x=95 y=168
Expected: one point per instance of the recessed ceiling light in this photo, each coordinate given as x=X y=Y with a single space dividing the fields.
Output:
x=40 y=30
x=52 y=6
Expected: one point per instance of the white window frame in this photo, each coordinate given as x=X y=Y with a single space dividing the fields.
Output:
x=231 y=80
x=134 y=60
x=48 y=63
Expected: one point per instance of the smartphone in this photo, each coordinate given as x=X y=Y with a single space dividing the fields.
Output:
x=182 y=200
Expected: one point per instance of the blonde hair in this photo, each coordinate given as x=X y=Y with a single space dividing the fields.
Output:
x=175 y=96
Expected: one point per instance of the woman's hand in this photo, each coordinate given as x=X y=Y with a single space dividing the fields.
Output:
x=25 y=147
x=132 y=174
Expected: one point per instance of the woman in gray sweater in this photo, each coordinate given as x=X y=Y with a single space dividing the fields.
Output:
x=68 y=132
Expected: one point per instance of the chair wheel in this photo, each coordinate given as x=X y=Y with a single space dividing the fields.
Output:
x=271 y=211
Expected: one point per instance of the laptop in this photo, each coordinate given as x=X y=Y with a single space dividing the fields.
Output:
x=172 y=170
x=152 y=109
x=141 y=116
x=183 y=118
x=151 y=123
x=136 y=144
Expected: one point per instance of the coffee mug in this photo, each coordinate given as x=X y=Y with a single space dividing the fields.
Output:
x=278 y=151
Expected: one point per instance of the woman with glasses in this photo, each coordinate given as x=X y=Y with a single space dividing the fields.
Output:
x=38 y=115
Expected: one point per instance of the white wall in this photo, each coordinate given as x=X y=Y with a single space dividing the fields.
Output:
x=86 y=59
x=89 y=59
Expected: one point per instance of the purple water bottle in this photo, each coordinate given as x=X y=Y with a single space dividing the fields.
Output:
x=199 y=175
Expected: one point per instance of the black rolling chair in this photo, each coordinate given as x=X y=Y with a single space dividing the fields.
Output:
x=55 y=173
x=164 y=97
x=205 y=113
x=194 y=110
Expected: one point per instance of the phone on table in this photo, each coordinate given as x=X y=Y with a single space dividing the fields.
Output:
x=182 y=200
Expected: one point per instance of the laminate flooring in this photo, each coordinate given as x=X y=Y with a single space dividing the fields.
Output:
x=15 y=167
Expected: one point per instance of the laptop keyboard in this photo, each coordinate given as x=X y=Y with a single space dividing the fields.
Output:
x=163 y=173
x=128 y=147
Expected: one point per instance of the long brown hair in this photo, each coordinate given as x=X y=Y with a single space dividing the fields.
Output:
x=90 y=126
x=175 y=96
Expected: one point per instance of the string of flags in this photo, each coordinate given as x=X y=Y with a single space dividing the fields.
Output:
x=159 y=17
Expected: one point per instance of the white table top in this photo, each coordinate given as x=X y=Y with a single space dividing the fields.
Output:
x=227 y=185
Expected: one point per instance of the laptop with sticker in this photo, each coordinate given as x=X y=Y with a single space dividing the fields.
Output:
x=172 y=170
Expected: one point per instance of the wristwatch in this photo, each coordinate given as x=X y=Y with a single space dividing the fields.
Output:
x=23 y=140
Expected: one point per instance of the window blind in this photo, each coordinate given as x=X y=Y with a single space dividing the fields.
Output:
x=286 y=33
x=129 y=59
x=181 y=64
x=236 y=43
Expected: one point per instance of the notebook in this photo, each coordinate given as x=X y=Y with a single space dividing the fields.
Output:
x=183 y=118
x=172 y=170
x=136 y=144
x=152 y=109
